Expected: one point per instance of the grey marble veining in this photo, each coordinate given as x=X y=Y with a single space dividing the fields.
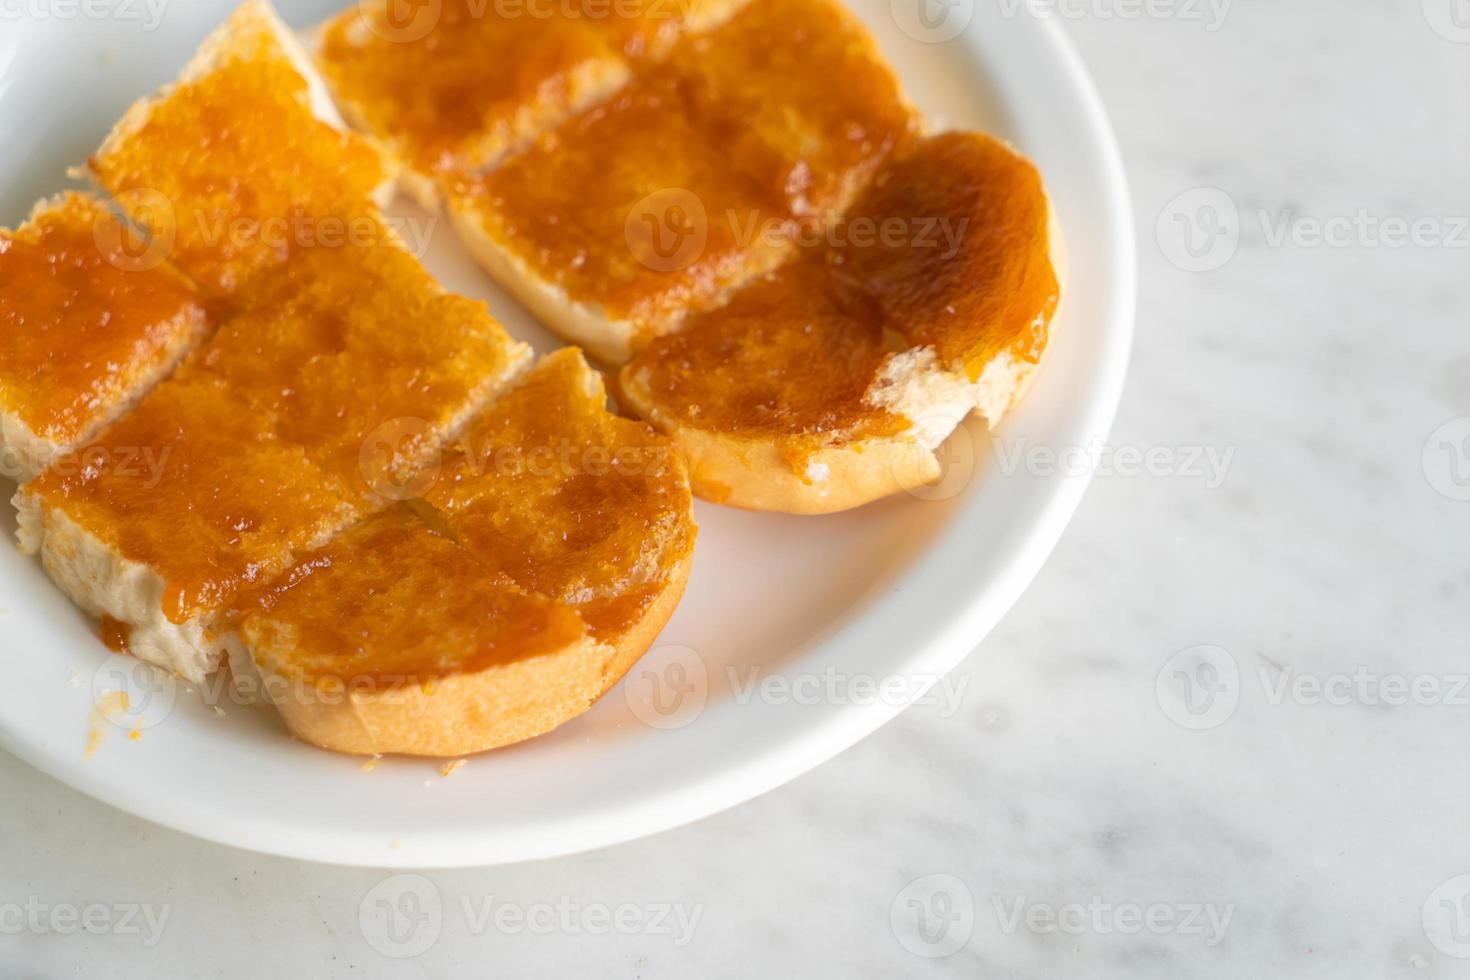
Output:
x=1223 y=734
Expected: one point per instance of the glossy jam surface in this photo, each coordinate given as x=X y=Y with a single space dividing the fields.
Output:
x=231 y=170
x=80 y=326
x=690 y=181
x=633 y=206
x=568 y=500
x=453 y=84
x=363 y=360
x=809 y=106
x=792 y=355
x=205 y=493
x=391 y=600
x=980 y=281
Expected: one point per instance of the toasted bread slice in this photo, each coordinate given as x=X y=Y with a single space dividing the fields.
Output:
x=832 y=382
x=87 y=326
x=240 y=159
x=699 y=176
x=174 y=509
x=456 y=91
x=568 y=500
x=456 y=85
x=392 y=638
x=549 y=547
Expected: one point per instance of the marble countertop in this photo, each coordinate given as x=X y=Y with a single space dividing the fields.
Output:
x=1221 y=735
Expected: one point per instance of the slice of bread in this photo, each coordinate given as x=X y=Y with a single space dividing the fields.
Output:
x=566 y=499
x=393 y=638
x=460 y=83
x=174 y=509
x=456 y=85
x=701 y=175
x=549 y=548
x=833 y=382
x=88 y=324
x=242 y=158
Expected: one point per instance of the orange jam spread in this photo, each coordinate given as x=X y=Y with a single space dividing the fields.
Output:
x=980 y=282
x=230 y=167
x=83 y=329
x=689 y=182
x=565 y=499
x=809 y=106
x=390 y=600
x=361 y=357
x=792 y=355
x=115 y=634
x=633 y=207
x=199 y=489
x=455 y=83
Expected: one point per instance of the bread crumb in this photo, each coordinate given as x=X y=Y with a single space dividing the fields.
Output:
x=135 y=735
x=450 y=768
x=368 y=765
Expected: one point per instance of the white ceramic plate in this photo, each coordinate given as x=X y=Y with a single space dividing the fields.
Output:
x=888 y=597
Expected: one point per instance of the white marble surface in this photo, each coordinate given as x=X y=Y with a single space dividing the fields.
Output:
x=1089 y=823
